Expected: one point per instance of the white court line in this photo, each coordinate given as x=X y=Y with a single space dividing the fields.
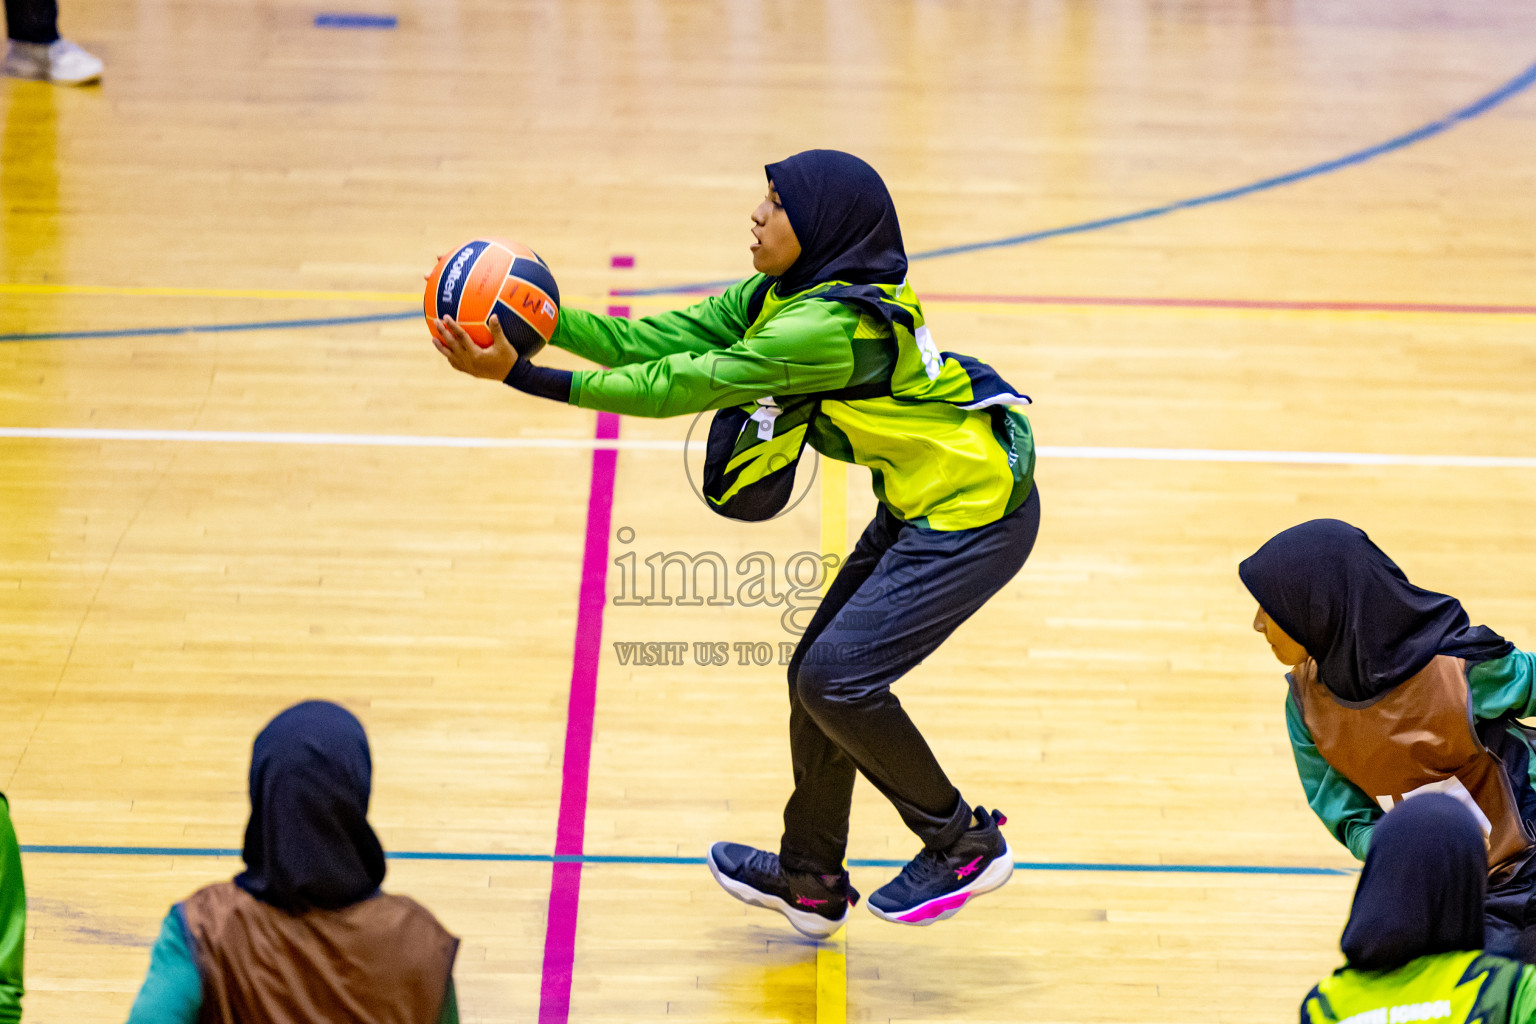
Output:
x=587 y=444
x=1303 y=458
x=365 y=440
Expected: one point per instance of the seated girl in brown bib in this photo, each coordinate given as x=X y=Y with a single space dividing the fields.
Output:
x=1393 y=693
x=303 y=934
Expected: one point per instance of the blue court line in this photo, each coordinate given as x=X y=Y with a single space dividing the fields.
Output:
x=601 y=858
x=355 y=21
x=260 y=325
x=1480 y=106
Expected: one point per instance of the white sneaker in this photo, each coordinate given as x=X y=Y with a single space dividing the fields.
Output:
x=60 y=62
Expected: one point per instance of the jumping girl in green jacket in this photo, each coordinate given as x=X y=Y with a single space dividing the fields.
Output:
x=826 y=345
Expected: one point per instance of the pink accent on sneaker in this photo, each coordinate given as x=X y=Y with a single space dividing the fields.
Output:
x=936 y=908
x=962 y=872
x=810 y=903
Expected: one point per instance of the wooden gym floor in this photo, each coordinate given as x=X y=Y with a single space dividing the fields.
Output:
x=163 y=593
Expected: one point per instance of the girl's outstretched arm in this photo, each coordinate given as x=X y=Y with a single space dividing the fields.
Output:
x=806 y=348
x=716 y=323
x=1341 y=805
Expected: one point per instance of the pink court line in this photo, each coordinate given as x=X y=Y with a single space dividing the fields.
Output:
x=565 y=882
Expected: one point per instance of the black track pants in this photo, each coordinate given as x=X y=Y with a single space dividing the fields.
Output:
x=32 y=21
x=901 y=593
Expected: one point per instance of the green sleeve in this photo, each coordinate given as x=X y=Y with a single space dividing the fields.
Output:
x=172 y=992
x=13 y=919
x=1504 y=685
x=1523 y=1009
x=709 y=326
x=449 y=1014
x=1343 y=807
x=805 y=348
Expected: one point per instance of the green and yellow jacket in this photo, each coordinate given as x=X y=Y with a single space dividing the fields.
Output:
x=937 y=430
x=13 y=919
x=1454 y=988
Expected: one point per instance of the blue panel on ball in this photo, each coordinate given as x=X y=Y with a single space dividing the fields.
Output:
x=451 y=285
x=536 y=274
x=520 y=333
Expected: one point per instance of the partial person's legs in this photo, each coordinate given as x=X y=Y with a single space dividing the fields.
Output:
x=36 y=51
x=32 y=21
x=925 y=585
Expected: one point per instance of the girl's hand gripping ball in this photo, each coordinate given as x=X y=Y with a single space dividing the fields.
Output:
x=467 y=355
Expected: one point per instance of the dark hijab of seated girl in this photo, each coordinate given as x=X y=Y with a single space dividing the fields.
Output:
x=1422 y=888
x=1413 y=946
x=1326 y=592
x=303 y=933
x=308 y=844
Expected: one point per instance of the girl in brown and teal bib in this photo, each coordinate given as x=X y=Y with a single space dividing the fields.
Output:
x=1393 y=693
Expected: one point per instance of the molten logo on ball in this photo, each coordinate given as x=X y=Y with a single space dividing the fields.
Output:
x=455 y=271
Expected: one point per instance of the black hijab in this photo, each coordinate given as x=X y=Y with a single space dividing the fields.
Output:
x=1423 y=887
x=308 y=844
x=844 y=219
x=1351 y=607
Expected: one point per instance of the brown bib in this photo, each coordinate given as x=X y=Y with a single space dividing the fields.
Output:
x=1419 y=736
x=384 y=960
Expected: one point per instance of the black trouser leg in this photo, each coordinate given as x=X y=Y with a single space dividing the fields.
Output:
x=816 y=816
x=32 y=21
x=873 y=627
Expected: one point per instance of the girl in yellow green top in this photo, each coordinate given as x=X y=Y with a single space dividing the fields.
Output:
x=1413 y=945
x=826 y=345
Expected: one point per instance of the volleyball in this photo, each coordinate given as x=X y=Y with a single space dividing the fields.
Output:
x=494 y=277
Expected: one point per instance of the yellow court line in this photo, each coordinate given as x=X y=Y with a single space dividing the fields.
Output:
x=12 y=288
x=832 y=979
x=834 y=513
x=832 y=954
x=205 y=293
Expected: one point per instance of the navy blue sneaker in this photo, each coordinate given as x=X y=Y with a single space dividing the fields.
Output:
x=817 y=905
x=937 y=883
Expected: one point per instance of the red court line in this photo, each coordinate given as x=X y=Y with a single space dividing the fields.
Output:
x=1153 y=302
x=565 y=883
x=1260 y=304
